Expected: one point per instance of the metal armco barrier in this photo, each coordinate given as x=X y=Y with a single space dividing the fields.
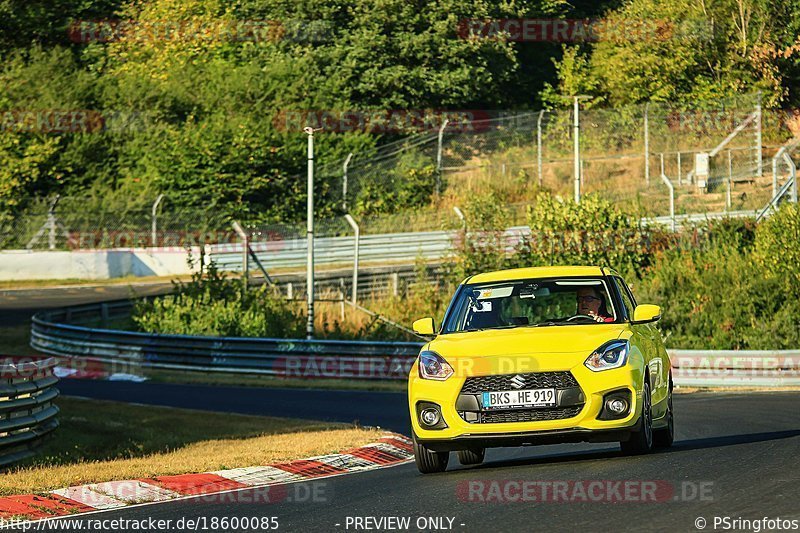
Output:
x=385 y=248
x=338 y=359
x=128 y=350
x=745 y=368
x=395 y=247
x=27 y=412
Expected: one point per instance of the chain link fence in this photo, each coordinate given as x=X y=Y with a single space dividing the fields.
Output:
x=657 y=158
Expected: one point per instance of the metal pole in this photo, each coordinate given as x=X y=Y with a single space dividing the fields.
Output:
x=344 y=181
x=357 y=230
x=51 y=223
x=310 y=236
x=730 y=177
x=792 y=175
x=576 y=145
x=775 y=173
x=154 y=229
x=759 y=149
x=245 y=252
x=439 y=157
x=460 y=215
x=646 y=144
x=668 y=183
x=679 y=169
x=539 y=146
x=341 y=298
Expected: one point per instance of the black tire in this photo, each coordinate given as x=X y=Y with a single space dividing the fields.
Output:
x=641 y=440
x=429 y=461
x=664 y=437
x=471 y=457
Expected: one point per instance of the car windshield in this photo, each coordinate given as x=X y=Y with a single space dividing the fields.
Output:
x=530 y=303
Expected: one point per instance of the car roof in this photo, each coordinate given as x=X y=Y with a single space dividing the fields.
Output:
x=539 y=272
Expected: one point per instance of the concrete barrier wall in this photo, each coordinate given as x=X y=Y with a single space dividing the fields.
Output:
x=92 y=264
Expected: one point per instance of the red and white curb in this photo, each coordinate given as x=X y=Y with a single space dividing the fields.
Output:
x=390 y=450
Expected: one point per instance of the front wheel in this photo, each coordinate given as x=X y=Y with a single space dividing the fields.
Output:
x=664 y=437
x=471 y=457
x=429 y=461
x=641 y=440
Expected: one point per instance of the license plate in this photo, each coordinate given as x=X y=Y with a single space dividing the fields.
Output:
x=519 y=398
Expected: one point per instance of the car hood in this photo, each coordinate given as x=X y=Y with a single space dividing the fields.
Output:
x=523 y=349
x=526 y=340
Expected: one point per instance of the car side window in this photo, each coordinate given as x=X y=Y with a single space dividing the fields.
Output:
x=627 y=299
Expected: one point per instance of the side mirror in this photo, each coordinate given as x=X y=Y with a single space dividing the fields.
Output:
x=424 y=326
x=645 y=313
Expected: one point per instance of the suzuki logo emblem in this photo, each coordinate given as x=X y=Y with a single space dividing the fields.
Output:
x=517 y=382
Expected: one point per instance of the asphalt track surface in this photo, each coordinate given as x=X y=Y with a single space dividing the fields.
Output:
x=735 y=456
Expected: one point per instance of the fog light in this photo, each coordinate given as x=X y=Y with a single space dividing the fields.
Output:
x=617 y=405
x=430 y=417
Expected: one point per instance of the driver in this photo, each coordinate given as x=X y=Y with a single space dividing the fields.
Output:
x=592 y=303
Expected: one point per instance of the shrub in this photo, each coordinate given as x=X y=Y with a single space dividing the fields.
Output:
x=777 y=248
x=212 y=304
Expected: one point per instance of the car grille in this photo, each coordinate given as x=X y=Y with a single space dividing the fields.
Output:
x=528 y=415
x=533 y=380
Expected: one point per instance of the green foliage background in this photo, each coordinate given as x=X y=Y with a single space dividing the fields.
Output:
x=201 y=119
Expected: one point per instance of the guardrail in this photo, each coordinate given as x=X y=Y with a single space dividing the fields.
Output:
x=385 y=248
x=334 y=358
x=740 y=368
x=129 y=350
x=397 y=247
x=27 y=412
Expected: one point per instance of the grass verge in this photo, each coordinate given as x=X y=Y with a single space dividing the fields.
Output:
x=106 y=441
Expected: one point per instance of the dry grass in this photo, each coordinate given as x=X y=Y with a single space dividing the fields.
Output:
x=106 y=441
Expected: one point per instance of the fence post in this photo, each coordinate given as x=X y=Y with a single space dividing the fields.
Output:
x=775 y=173
x=539 y=146
x=245 y=252
x=646 y=144
x=154 y=228
x=460 y=215
x=439 y=157
x=310 y=236
x=668 y=183
x=680 y=182
x=341 y=297
x=730 y=179
x=357 y=230
x=395 y=283
x=759 y=149
x=344 y=181
x=792 y=175
x=576 y=148
x=290 y=291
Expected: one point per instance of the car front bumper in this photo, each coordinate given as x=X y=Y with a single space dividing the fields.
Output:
x=578 y=422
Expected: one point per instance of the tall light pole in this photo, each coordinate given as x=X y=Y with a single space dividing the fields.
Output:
x=576 y=143
x=310 y=236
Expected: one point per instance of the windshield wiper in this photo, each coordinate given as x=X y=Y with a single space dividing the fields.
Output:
x=548 y=323
x=507 y=326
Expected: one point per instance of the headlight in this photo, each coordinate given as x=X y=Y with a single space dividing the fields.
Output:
x=612 y=354
x=433 y=366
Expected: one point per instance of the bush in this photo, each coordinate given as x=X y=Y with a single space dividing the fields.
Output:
x=777 y=248
x=212 y=304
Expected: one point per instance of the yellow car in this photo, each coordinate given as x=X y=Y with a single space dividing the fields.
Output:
x=538 y=356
